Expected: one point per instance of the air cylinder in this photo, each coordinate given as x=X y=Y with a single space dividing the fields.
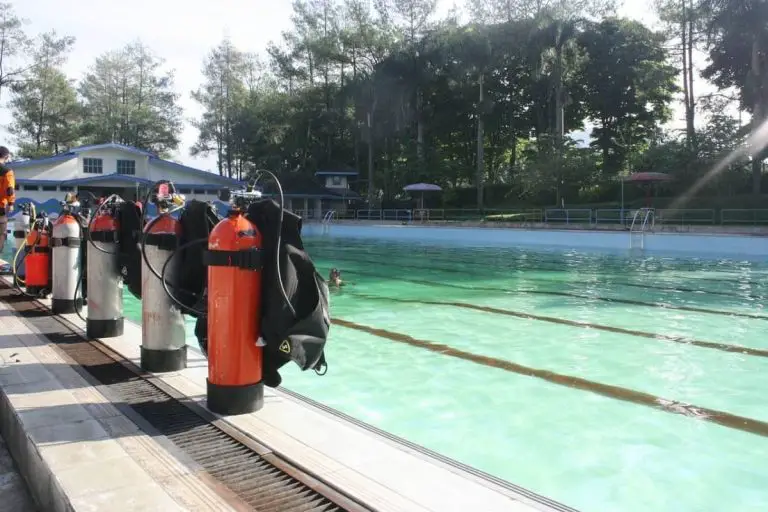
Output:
x=65 y=255
x=105 y=284
x=163 y=337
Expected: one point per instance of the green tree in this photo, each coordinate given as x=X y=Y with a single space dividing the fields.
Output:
x=128 y=99
x=628 y=86
x=683 y=26
x=738 y=53
x=14 y=46
x=44 y=105
x=221 y=97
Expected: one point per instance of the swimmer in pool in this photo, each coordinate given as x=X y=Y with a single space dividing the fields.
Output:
x=334 y=279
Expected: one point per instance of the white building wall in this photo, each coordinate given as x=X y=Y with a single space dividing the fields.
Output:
x=164 y=172
x=59 y=171
x=194 y=185
x=109 y=158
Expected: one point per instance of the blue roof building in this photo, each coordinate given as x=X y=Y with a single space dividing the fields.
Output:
x=104 y=169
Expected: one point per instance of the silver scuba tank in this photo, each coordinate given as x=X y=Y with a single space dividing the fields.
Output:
x=21 y=227
x=66 y=242
x=163 y=336
x=104 y=282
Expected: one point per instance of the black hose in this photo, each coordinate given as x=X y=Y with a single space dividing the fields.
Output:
x=279 y=238
x=23 y=257
x=144 y=242
x=90 y=225
x=146 y=229
x=166 y=286
x=79 y=282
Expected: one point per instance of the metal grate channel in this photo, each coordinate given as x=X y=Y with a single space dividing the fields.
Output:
x=254 y=479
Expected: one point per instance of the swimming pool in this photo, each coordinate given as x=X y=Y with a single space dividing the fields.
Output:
x=567 y=372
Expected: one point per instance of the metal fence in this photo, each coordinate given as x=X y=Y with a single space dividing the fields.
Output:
x=581 y=216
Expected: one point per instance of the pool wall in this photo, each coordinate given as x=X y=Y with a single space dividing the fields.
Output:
x=700 y=245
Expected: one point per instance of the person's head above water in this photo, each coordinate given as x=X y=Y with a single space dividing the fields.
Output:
x=335 y=277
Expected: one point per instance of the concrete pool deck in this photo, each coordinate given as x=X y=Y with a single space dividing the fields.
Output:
x=79 y=451
x=14 y=494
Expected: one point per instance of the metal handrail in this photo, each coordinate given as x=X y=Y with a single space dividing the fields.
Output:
x=648 y=213
x=328 y=217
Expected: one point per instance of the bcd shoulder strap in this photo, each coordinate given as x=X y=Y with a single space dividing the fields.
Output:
x=197 y=221
x=129 y=254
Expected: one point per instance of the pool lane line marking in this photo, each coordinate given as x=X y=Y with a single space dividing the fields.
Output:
x=693 y=309
x=561 y=265
x=724 y=347
x=564 y=263
x=620 y=283
x=624 y=283
x=722 y=418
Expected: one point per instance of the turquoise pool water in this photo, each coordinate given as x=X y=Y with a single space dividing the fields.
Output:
x=563 y=372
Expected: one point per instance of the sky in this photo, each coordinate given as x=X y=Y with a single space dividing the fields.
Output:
x=182 y=32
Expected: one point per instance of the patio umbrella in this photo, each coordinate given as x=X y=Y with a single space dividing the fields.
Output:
x=422 y=187
x=648 y=178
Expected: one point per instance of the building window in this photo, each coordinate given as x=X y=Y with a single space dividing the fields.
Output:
x=93 y=165
x=185 y=191
x=336 y=181
x=49 y=188
x=30 y=187
x=127 y=167
x=17 y=186
x=197 y=191
x=212 y=192
x=65 y=188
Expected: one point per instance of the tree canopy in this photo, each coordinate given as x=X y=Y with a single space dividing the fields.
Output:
x=528 y=102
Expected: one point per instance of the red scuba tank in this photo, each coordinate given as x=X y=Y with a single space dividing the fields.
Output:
x=234 y=304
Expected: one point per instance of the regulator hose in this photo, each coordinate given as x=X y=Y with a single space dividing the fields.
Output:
x=166 y=286
x=93 y=218
x=16 y=278
x=279 y=236
x=146 y=229
x=79 y=273
x=14 y=263
x=144 y=240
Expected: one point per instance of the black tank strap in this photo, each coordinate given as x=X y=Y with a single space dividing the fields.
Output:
x=249 y=259
x=66 y=242
x=108 y=237
x=30 y=248
x=163 y=241
x=19 y=233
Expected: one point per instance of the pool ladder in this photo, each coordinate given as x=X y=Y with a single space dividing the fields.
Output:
x=327 y=220
x=643 y=220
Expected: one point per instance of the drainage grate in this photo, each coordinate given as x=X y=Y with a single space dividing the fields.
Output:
x=256 y=481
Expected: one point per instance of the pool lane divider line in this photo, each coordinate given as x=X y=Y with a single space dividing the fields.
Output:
x=559 y=264
x=631 y=302
x=725 y=419
x=724 y=347
x=669 y=288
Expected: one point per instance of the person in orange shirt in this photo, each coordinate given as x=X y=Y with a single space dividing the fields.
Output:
x=7 y=193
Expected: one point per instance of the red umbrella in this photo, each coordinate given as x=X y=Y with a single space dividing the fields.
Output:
x=648 y=178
